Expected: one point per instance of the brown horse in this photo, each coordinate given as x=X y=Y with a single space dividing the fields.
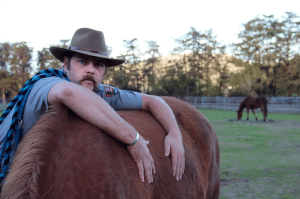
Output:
x=253 y=102
x=64 y=157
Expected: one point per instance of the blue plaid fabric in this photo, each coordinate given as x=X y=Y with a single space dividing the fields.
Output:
x=14 y=134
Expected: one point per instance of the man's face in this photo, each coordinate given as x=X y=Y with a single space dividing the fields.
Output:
x=85 y=70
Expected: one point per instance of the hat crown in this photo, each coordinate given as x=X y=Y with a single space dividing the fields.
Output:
x=89 y=40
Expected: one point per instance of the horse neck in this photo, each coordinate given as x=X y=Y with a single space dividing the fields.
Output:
x=242 y=106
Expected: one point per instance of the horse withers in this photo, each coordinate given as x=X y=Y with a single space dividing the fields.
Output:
x=253 y=102
x=62 y=156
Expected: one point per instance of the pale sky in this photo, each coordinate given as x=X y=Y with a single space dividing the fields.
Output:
x=43 y=22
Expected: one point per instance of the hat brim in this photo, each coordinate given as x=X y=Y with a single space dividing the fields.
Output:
x=60 y=53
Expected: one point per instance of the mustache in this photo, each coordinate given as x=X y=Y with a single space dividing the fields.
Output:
x=90 y=78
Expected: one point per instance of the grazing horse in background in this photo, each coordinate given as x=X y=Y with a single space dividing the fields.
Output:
x=62 y=156
x=253 y=102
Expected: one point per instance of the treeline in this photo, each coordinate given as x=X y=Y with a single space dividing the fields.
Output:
x=265 y=61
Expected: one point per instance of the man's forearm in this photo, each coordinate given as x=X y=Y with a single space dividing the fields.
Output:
x=93 y=109
x=163 y=113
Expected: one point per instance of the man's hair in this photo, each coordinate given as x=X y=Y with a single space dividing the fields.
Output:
x=69 y=57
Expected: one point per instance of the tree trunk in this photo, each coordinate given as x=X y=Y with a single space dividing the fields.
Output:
x=3 y=96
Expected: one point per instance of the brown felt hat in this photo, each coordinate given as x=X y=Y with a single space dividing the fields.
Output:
x=88 y=42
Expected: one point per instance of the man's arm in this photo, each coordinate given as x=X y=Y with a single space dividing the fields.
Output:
x=93 y=109
x=173 y=141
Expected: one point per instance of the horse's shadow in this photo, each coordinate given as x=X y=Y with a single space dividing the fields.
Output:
x=250 y=120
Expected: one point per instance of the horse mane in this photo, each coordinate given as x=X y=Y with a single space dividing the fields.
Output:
x=242 y=105
x=24 y=183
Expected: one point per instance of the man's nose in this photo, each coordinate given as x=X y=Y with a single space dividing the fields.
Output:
x=90 y=68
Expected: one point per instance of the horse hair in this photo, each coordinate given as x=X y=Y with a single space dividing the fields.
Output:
x=62 y=156
x=252 y=102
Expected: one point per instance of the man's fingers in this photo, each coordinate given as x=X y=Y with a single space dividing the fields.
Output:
x=182 y=163
x=167 y=147
x=174 y=163
x=142 y=157
x=141 y=170
x=178 y=163
x=153 y=166
x=148 y=170
x=180 y=167
x=174 y=146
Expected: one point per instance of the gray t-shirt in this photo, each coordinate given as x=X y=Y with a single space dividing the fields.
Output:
x=37 y=103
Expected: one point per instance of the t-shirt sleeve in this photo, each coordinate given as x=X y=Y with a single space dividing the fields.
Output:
x=37 y=102
x=128 y=100
x=120 y=99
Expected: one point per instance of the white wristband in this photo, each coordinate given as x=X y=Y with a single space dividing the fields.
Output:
x=135 y=140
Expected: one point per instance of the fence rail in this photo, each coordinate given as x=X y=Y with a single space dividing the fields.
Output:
x=276 y=104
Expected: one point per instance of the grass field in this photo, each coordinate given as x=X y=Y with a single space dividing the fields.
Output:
x=258 y=160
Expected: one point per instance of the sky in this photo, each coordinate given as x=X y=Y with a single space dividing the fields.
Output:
x=42 y=23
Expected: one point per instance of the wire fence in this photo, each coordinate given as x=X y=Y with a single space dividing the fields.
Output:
x=275 y=105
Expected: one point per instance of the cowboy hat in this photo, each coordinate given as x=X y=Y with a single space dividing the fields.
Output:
x=88 y=42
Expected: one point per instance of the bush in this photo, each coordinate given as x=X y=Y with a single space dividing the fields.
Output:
x=281 y=91
x=236 y=94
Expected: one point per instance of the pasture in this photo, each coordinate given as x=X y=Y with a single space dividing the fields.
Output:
x=258 y=160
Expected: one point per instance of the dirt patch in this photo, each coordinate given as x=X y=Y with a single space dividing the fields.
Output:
x=227 y=181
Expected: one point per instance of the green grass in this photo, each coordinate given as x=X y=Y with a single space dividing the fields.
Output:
x=258 y=160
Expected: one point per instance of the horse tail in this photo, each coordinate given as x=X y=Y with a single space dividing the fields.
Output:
x=265 y=104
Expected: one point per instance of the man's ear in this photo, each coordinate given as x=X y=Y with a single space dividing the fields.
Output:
x=65 y=62
x=104 y=72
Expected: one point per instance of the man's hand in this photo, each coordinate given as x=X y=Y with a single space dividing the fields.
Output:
x=173 y=144
x=142 y=157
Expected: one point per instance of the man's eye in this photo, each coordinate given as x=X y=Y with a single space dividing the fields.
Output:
x=82 y=61
x=100 y=65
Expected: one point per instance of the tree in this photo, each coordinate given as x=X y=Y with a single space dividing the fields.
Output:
x=47 y=60
x=4 y=55
x=269 y=45
x=20 y=62
x=149 y=66
x=4 y=74
x=200 y=49
x=133 y=59
x=5 y=83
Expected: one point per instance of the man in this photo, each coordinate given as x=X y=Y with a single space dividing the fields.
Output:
x=84 y=63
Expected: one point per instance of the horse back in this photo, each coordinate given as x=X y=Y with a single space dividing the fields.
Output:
x=63 y=156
